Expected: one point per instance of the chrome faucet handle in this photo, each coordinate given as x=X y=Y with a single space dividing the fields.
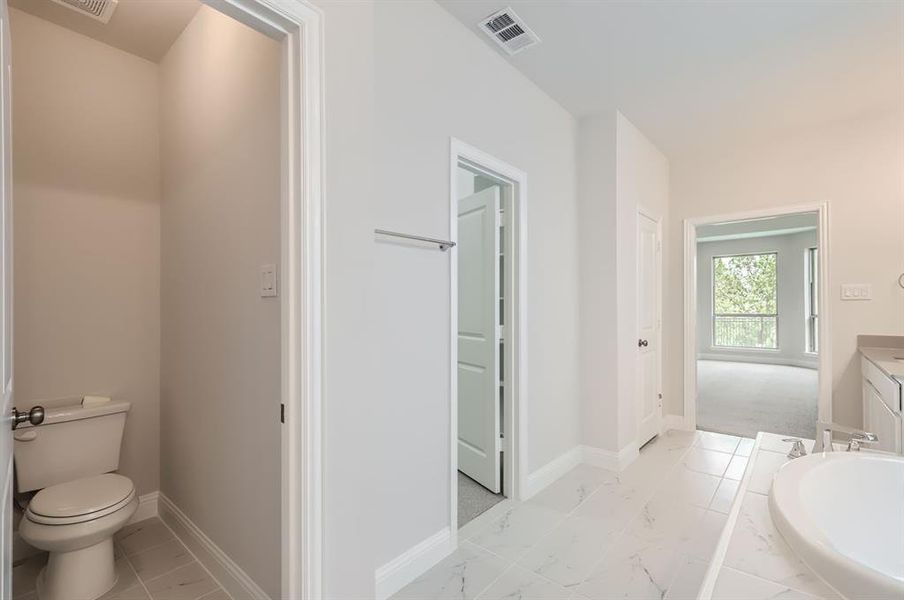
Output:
x=859 y=438
x=797 y=447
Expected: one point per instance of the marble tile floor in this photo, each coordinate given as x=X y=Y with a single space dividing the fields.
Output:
x=152 y=565
x=648 y=532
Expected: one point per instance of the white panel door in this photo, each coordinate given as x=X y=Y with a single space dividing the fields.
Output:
x=649 y=409
x=478 y=338
x=6 y=310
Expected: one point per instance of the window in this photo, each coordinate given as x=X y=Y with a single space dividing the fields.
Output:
x=745 y=313
x=812 y=300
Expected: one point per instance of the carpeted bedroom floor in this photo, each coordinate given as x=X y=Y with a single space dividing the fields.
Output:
x=473 y=499
x=744 y=398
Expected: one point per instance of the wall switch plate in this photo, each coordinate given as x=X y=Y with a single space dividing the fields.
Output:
x=268 y=281
x=856 y=291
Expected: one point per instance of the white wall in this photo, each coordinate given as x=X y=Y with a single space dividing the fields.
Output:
x=86 y=192
x=220 y=372
x=598 y=265
x=856 y=167
x=619 y=171
x=391 y=108
x=790 y=295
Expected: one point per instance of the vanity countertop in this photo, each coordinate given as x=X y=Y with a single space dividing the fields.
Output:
x=886 y=352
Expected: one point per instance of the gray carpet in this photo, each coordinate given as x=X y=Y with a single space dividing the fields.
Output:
x=744 y=398
x=473 y=499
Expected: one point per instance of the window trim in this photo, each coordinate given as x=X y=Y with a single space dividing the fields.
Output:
x=714 y=315
x=811 y=301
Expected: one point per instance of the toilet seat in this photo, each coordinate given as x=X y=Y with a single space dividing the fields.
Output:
x=81 y=500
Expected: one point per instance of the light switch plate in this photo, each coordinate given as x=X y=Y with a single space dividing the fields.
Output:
x=268 y=281
x=856 y=291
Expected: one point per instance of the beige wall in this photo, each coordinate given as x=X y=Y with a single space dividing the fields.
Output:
x=220 y=370
x=857 y=167
x=86 y=193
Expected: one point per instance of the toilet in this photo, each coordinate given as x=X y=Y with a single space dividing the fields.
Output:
x=81 y=503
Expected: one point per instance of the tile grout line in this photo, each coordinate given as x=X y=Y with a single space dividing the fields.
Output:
x=653 y=491
x=203 y=566
x=620 y=532
x=715 y=566
x=689 y=557
x=154 y=547
x=514 y=562
x=187 y=549
x=137 y=576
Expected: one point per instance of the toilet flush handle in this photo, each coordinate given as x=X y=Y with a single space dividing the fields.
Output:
x=35 y=416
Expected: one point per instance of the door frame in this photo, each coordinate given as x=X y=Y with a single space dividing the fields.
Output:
x=7 y=400
x=824 y=403
x=514 y=201
x=298 y=26
x=649 y=214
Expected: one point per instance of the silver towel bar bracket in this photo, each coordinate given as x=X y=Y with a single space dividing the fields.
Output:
x=443 y=244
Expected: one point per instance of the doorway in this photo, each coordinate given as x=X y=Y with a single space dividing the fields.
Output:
x=649 y=326
x=294 y=411
x=487 y=214
x=756 y=352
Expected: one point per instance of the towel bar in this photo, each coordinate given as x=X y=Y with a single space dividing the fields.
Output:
x=443 y=244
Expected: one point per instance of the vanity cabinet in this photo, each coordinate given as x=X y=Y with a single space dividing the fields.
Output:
x=882 y=407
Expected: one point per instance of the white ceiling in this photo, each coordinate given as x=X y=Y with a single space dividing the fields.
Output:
x=697 y=75
x=146 y=28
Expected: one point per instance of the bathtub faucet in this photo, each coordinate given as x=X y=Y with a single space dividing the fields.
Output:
x=856 y=438
x=861 y=437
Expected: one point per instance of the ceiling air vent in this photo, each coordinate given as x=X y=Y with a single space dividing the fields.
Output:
x=509 y=31
x=101 y=10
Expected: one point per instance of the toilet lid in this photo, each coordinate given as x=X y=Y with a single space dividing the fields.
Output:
x=81 y=497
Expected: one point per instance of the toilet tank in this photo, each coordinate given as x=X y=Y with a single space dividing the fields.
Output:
x=74 y=441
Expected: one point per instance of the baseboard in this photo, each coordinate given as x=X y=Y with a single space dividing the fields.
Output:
x=147 y=507
x=609 y=459
x=804 y=363
x=551 y=471
x=226 y=571
x=411 y=564
x=670 y=422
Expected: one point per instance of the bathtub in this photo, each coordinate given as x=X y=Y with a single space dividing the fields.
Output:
x=843 y=514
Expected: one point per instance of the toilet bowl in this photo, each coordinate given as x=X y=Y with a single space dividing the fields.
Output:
x=75 y=522
x=79 y=502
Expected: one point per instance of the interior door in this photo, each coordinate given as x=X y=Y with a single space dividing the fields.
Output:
x=6 y=309
x=649 y=400
x=478 y=338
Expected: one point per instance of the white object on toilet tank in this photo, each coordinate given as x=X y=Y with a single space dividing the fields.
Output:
x=74 y=441
x=94 y=400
